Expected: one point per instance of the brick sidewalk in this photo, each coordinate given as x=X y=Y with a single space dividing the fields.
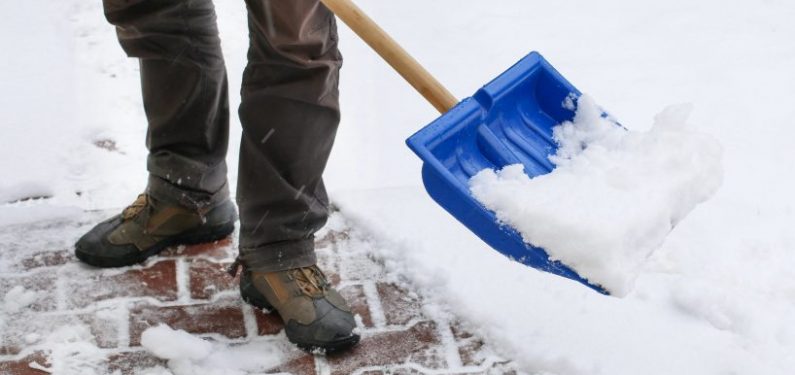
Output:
x=187 y=288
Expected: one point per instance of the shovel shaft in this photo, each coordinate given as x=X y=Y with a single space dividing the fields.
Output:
x=393 y=53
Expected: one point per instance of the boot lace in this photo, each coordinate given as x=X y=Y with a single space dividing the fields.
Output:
x=311 y=280
x=135 y=208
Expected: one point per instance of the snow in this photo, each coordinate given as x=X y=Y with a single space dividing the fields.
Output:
x=188 y=354
x=715 y=298
x=32 y=338
x=24 y=190
x=548 y=323
x=155 y=371
x=31 y=212
x=614 y=195
x=71 y=351
x=70 y=348
x=167 y=343
x=18 y=298
x=66 y=124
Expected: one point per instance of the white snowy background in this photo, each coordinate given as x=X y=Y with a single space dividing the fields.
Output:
x=718 y=297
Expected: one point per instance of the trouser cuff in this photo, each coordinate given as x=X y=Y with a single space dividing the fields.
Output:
x=164 y=191
x=279 y=256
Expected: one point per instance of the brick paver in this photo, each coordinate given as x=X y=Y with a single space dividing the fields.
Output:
x=188 y=288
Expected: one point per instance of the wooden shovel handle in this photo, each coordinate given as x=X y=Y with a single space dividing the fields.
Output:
x=396 y=56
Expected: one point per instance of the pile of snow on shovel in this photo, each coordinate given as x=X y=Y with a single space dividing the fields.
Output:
x=614 y=194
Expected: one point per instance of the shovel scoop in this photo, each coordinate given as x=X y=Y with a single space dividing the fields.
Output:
x=508 y=121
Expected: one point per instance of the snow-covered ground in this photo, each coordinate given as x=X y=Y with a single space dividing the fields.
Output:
x=717 y=298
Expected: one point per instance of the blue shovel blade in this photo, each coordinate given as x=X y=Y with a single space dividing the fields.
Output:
x=506 y=122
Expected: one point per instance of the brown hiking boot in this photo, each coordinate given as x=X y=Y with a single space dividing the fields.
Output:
x=147 y=227
x=315 y=315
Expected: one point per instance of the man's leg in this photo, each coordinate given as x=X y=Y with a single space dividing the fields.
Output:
x=290 y=113
x=184 y=88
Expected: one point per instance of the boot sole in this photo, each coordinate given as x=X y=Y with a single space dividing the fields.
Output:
x=214 y=234
x=331 y=348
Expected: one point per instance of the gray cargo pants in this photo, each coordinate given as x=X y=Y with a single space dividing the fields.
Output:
x=289 y=112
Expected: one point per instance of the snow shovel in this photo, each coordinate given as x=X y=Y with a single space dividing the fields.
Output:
x=508 y=121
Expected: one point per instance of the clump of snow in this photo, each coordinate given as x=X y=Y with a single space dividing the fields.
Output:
x=17 y=299
x=32 y=338
x=188 y=354
x=71 y=350
x=614 y=195
x=167 y=343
